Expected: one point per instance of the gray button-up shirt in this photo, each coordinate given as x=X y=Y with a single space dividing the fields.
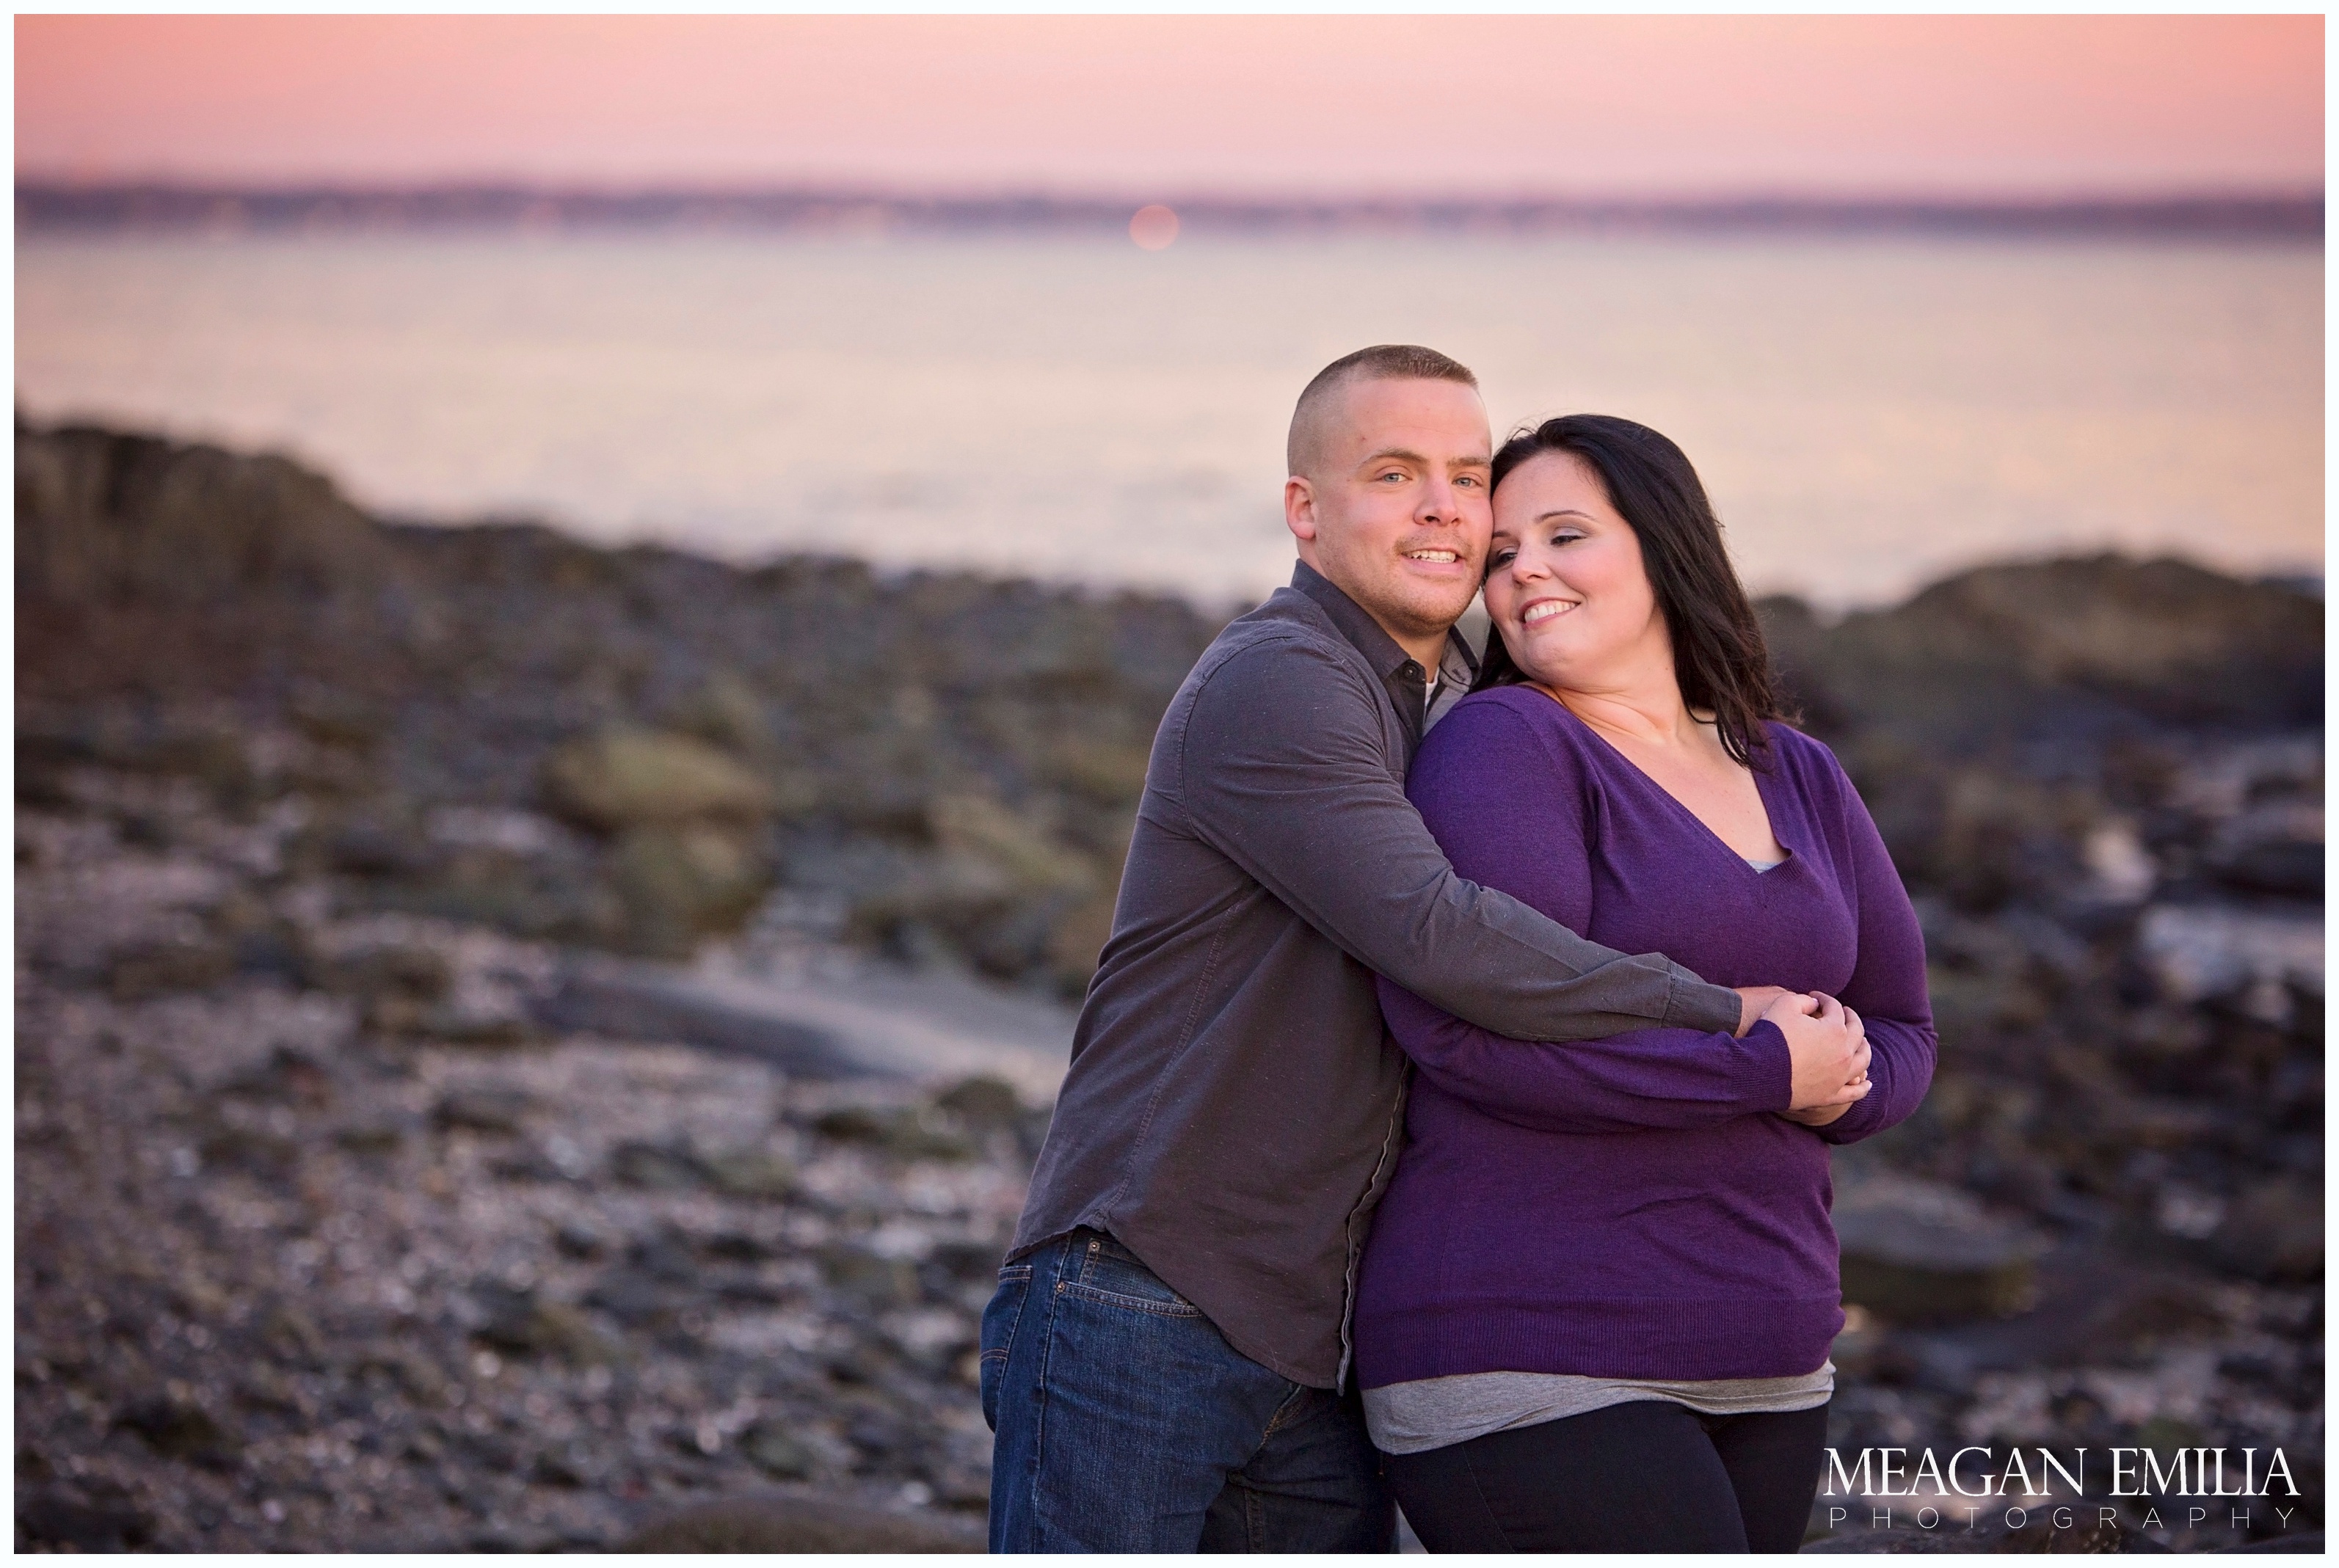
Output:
x=1234 y=1106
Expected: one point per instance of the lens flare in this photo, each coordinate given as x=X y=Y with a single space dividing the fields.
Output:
x=1153 y=228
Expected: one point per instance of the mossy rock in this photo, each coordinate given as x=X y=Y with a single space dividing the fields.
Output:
x=623 y=777
x=1917 y=1251
x=678 y=882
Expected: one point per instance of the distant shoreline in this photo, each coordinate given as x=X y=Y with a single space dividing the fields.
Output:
x=51 y=206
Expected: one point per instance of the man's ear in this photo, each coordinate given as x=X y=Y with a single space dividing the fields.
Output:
x=1299 y=511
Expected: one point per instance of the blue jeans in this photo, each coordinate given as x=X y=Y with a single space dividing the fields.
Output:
x=1126 y=1423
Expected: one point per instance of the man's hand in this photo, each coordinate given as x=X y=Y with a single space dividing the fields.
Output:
x=1821 y=1115
x=1828 y=1046
x=1754 y=1002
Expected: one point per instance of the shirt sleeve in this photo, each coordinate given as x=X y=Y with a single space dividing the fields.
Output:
x=1649 y=1078
x=1509 y=809
x=1886 y=988
x=1281 y=767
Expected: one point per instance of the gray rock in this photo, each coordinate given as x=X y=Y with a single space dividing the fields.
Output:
x=981 y=1102
x=2200 y=953
x=1917 y=1251
x=103 y=517
x=490 y=1109
x=2276 y=847
x=2273 y=1232
x=379 y=846
x=667 y=1254
x=2001 y=644
x=570 y=1466
x=787 y=1521
x=520 y=1324
x=158 y=968
x=778 y=1453
x=908 y=1132
x=289 y=1077
x=290 y=1334
x=255 y=1150
x=750 y=1174
x=628 y=1002
x=658 y=1166
x=576 y=1238
x=395 y=983
x=635 y=1298
x=863 y=1277
x=176 y=1428
x=373 y=1137
x=54 y=1518
x=331 y=717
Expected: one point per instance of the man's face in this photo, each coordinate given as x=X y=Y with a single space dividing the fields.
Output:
x=1394 y=511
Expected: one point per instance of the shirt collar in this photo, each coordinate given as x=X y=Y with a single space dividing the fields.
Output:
x=1460 y=666
x=1380 y=650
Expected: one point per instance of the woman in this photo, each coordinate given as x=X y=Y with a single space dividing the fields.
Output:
x=1597 y=1307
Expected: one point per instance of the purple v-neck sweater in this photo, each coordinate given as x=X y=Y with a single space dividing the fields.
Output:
x=1631 y=1207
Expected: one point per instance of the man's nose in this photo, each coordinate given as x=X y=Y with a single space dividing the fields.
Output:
x=1440 y=502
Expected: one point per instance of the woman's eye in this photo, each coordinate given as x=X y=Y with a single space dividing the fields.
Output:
x=1500 y=558
x=1566 y=537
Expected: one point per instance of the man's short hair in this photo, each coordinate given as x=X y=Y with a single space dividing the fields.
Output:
x=1381 y=362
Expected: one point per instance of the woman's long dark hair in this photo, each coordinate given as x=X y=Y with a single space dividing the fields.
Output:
x=1719 y=656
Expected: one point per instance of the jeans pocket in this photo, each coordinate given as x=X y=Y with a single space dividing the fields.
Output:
x=1112 y=1275
x=997 y=1337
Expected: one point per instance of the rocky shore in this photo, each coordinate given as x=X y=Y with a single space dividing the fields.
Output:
x=504 y=1059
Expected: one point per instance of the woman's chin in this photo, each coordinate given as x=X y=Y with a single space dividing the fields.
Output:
x=1545 y=667
x=1563 y=657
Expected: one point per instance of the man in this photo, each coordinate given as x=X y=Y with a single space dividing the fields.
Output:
x=1165 y=1364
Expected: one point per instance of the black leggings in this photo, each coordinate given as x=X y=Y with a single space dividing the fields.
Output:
x=1648 y=1477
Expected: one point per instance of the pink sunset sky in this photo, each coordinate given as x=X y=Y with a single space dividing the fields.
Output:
x=1307 y=105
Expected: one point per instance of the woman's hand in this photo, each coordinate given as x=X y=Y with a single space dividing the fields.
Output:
x=1828 y=1048
x=1821 y=1114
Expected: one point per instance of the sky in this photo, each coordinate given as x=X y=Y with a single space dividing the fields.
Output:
x=1158 y=107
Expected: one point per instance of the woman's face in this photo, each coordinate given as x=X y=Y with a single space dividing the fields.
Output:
x=1564 y=580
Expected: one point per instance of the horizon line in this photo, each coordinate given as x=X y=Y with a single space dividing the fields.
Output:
x=54 y=203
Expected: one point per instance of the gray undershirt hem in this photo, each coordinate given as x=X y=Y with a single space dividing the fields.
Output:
x=1438 y=1412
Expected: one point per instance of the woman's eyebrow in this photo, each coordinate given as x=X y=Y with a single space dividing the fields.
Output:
x=1563 y=512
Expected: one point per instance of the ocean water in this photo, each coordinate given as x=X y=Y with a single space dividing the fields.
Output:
x=1868 y=413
